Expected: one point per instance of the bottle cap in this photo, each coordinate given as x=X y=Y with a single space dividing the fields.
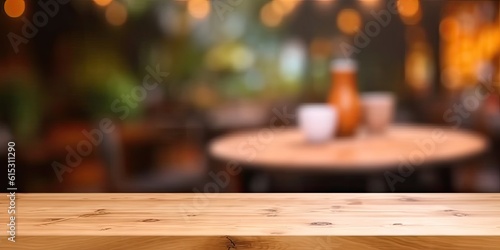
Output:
x=344 y=65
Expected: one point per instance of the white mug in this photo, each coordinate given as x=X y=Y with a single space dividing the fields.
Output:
x=318 y=122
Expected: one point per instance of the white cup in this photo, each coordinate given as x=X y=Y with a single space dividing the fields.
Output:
x=318 y=122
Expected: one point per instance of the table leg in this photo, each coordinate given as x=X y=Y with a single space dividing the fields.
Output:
x=235 y=183
x=466 y=177
x=287 y=182
x=376 y=184
x=260 y=182
x=445 y=181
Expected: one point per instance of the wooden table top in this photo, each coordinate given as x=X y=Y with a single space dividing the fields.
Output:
x=60 y=220
x=287 y=148
x=257 y=214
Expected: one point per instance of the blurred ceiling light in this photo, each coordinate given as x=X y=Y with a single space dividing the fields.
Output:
x=349 y=21
x=199 y=9
x=412 y=20
x=408 y=8
x=14 y=8
x=102 y=2
x=269 y=17
x=116 y=14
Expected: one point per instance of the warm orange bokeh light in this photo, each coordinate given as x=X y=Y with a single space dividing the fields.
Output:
x=199 y=8
x=408 y=8
x=269 y=17
x=280 y=7
x=410 y=11
x=489 y=42
x=116 y=14
x=14 y=8
x=102 y=2
x=449 y=28
x=468 y=47
x=415 y=19
x=274 y=11
x=415 y=69
x=349 y=21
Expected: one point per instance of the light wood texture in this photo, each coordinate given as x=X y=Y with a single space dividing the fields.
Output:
x=287 y=148
x=254 y=242
x=255 y=221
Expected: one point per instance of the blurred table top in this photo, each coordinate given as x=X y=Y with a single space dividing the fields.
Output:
x=414 y=145
x=274 y=221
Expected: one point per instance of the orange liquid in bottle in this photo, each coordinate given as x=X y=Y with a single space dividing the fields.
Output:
x=345 y=97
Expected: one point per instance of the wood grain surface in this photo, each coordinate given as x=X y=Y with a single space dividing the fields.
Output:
x=255 y=221
x=287 y=148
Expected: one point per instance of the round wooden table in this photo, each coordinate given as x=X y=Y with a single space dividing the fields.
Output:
x=373 y=161
x=287 y=148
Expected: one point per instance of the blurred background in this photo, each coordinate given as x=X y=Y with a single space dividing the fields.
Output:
x=126 y=95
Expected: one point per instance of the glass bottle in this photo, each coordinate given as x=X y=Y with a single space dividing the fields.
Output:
x=344 y=96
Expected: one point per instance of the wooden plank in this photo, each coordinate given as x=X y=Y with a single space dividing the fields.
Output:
x=253 y=242
x=254 y=221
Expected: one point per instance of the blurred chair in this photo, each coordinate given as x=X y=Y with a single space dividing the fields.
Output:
x=164 y=179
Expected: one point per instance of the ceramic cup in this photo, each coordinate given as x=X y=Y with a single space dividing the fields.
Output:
x=318 y=122
x=378 y=111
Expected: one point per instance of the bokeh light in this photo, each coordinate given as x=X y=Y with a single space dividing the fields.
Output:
x=419 y=70
x=269 y=17
x=273 y=12
x=199 y=8
x=102 y=2
x=408 y=8
x=449 y=28
x=489 y=42
x=14 y=8
x=349 y=21
x=116 y=14
x=280 y=7
x=468 y=42
x=412 y=20
x=410 y=11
